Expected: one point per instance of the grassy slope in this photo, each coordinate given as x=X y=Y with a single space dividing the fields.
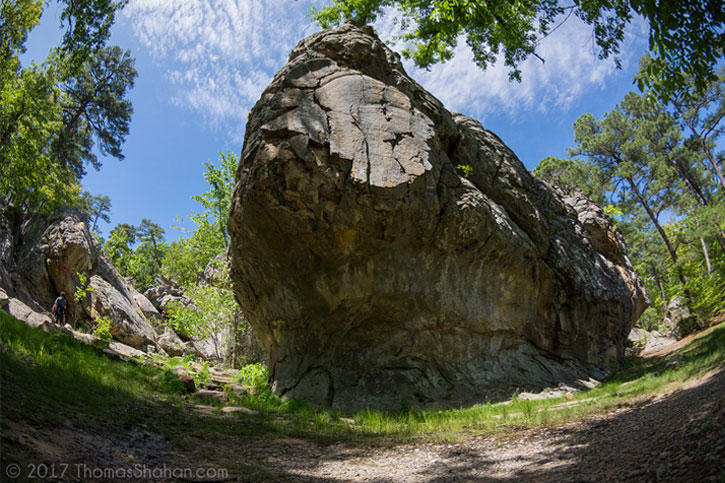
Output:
x=51 y=381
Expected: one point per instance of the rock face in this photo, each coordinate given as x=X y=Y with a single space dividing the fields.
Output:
x=373 y=271
x=166 y=293
x=44 y=255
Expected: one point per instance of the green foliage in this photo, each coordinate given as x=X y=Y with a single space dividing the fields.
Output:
x=683 y=36
x=95 y=207
x=88 y=28
x=103 y=329
x=56 y=371
x=42 y=374
x=185 y=259
x=83 y=289
x=142 y=263
x=218 y=200
x=570 y=175
x=253 y=376
x=171 y=383
x=53 y=115
x=664 y=192
x=213 y=311
x=465 y=169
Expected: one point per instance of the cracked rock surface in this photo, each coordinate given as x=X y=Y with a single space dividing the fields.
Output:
x=373 y=271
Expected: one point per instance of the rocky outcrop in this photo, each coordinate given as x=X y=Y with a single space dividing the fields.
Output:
x=44 y=256
x=165 y=294
x=384 y=249
x=647 y=342
x=679 y=319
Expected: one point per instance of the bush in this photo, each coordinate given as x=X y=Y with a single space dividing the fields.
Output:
x=253 y=376
x=103 y=329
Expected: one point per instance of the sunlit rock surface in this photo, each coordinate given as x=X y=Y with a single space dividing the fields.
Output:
x=375 y=268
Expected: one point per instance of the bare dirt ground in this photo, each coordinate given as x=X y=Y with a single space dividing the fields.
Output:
x=677 y=436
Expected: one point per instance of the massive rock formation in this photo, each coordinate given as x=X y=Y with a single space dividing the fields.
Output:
x=374 y=269
x=45 y=255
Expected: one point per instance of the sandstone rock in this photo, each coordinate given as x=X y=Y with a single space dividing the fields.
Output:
x=649 y=342
x=212 y=348
x=235 y=409
x=128 y=323
x=678 y=317
x=372 y=271
x=237 y=389
x=46 y=255
x=123 y=351
x=171 y=343
x=213 y=272
x=22 y=312
x=187 y=381
x=166 y=293
x=211 y=394
x=4 y=299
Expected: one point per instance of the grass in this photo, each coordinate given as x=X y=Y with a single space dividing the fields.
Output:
x=49 y=378
x=637 y=381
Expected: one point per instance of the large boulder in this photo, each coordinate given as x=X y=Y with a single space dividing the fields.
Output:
x=384 y=249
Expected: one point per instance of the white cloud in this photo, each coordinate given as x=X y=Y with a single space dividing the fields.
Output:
x=220 y=55
x=570 y=71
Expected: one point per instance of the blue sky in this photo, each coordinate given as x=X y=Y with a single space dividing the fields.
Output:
x=202 y=65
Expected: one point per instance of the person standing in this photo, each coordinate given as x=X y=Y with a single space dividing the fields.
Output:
x=60 y=307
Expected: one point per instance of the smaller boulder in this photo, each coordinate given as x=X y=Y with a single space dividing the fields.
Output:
x=22 y=312
x=187 y=381
x=679 y=319
x=236 y=409
x=4 y=299
x=211 y=394
x=165 y=293
x=171 y=343
x=648 y=342
x=237 y=389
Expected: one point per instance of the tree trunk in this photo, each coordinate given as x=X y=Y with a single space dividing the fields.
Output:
x=707 y=256
x=658 y=280
x=653 y=218
x=235 y=337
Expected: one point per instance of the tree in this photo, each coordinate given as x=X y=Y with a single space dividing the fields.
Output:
x=94 y=107
x=52 y=114
x=683 y=37
x=152 y=235
x=633 y=145
x=119 y=246
x=665 y=197
x=701 y=116
x=570 y=175
x=95 y=207
x=185 y=259
x=218 y=200
x=214 y=314
x=87 y=28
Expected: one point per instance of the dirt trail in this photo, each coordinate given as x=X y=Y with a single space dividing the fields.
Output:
x=678 y=436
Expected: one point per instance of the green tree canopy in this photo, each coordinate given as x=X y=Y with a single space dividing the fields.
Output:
x=570 y=175
x=684 y=36
x=54 y=114
x=96 y=207
x=664 y=190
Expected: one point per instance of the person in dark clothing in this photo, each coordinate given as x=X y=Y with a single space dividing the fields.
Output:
x=60 y=306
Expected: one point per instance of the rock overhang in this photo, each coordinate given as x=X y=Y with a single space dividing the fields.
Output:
x=373 y=270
